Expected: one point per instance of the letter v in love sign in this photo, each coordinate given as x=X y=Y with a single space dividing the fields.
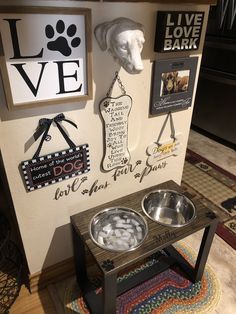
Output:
x=46 y=55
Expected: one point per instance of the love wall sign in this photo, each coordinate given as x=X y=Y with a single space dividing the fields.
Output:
x=178 y=31
x=47 y=55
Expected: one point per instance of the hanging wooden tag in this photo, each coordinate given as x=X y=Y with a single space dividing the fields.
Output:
x=115 y=112
x=165 y=150
x=162 y=149
x=41 y=171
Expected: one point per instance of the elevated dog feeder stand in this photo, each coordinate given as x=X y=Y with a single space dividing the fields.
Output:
x=159 y=238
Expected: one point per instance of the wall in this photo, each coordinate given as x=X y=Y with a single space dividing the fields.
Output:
x=44 y=221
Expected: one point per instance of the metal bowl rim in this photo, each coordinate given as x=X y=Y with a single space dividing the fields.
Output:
x=125 y=209
x=171 y=191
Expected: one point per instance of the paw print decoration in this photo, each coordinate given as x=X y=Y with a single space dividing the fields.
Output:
x=62 y=38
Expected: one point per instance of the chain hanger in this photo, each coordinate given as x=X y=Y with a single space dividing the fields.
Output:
x=116 y=78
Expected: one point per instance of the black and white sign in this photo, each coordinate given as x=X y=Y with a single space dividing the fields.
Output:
x=47 y=55
x=172 y=84
x=55 y=167
x=178 y=31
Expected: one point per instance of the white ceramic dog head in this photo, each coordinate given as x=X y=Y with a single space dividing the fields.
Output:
x=124 y=39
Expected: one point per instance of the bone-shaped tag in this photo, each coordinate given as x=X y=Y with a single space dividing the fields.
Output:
x=115 y=112
x=162 y=151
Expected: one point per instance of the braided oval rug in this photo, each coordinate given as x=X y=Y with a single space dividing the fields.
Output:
x=167 y=293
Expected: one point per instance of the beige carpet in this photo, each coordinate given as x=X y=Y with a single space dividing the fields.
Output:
x=222 y=259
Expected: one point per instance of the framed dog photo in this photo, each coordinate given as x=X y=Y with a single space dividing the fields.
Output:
x=172 y=84
x=46 y=55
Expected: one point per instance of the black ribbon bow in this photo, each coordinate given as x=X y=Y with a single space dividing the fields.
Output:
x=44 y=126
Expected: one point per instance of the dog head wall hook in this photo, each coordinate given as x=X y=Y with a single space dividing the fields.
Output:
x=124 y=39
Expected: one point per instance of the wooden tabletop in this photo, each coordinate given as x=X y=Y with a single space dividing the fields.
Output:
x=159 y=236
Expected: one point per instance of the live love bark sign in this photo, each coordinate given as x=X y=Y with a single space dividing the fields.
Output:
x=47 y=55
x=178 y=31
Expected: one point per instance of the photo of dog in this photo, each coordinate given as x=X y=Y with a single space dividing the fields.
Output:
x=174 y=82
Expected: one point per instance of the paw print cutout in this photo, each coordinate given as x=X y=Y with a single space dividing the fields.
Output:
x=211 y=215
x=124 y=160
x=62 y=43
x=108 y=265
x=106 y=104
x=137 y=175
x=84 y=179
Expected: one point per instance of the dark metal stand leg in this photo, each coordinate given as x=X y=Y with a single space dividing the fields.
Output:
x=204 y=250
x=80 y=261
x=195 y=274
x=109 y=294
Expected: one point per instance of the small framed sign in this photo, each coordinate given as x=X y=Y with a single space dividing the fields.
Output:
x=52 y=168
x=178 y=30
x=168 y=148
x=46 y=55
x=172 y=84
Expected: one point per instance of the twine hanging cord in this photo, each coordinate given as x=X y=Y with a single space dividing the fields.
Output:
x=172 y=128
x=44 y=126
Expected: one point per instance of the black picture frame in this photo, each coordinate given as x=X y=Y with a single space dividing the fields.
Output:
x=180 y=97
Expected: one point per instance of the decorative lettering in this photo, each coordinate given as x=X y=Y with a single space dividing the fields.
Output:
x=74 y=187
x=96 y=186
x=125 y=170
x=149 y=169
x=26 y=78
x=115 y=113
x=165 y=150
x=165 y=236
x=51 y=168
x=178 y=31
x=15 y=41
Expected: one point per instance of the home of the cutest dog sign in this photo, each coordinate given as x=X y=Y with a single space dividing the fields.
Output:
x=47 y=54
x=178 y=31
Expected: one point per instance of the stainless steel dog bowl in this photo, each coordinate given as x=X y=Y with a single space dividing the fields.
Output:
x=169 y=208
x=118 y=229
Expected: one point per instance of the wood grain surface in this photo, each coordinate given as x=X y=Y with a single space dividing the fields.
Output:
x=159 y=236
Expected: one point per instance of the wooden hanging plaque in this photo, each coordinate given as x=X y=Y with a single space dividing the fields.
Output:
x=162 y=151
x=115 y=112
